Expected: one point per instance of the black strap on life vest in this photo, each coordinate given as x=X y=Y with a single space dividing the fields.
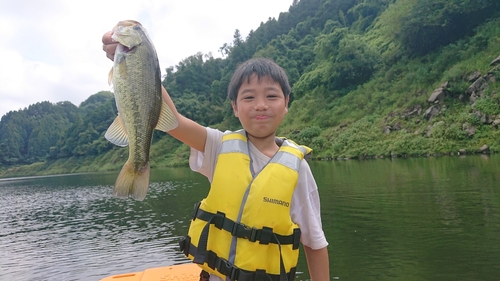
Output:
x=234 y=273
x=264 y=235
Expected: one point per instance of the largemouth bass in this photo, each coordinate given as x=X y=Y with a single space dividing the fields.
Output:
x=136 y=79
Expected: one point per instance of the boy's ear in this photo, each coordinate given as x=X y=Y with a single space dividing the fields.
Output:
x=235 y=109
x=287 y=99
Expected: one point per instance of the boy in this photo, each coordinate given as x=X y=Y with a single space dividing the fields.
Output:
x=263 y=196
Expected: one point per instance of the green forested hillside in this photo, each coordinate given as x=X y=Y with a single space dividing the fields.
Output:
x=370 y=78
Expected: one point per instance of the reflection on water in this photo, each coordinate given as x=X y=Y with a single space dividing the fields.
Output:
x=72 y=228
x=402 y=219
x=413 y=219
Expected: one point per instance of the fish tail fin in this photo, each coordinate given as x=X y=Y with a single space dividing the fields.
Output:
x=132 y=183
x=140 y=188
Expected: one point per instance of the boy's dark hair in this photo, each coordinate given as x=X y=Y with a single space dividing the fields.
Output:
x=262 y=67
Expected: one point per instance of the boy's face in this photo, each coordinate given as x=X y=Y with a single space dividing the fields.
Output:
x=261 y=106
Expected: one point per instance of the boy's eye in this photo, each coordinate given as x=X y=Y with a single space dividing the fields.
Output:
x=248 y=97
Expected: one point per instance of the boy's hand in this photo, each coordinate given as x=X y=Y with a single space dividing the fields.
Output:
x=109 y=45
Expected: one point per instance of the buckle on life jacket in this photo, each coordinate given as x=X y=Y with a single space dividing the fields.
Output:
x=227 y=269
x=218 y=220
x=243 y=231
x=266 y=236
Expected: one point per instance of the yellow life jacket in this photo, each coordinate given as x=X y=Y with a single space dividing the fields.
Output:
x=243 y=229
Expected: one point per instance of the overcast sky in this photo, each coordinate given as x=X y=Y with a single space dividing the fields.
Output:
x=51 y=50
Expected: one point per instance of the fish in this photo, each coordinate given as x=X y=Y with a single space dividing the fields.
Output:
x=136 y=80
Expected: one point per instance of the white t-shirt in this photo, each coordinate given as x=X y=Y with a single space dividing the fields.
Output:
x=305 y=205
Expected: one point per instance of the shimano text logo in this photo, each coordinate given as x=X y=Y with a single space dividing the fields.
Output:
x=276 y=201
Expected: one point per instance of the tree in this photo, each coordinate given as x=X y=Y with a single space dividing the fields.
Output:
x=237 y=40
x=225 y=50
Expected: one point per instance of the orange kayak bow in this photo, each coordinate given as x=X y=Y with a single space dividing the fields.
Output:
x=181 y=272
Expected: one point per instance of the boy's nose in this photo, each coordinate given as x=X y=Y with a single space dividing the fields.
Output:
x=261 y=104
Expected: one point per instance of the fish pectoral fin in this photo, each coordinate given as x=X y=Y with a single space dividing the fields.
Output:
x=167 y=120
x=116 y=133
x=110 y=76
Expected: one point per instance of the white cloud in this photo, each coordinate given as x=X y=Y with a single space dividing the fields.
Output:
x=51 y=50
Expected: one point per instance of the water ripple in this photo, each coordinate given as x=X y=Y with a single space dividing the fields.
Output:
x=70 y=231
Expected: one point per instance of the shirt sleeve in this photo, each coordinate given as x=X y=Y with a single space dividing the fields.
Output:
x=306 y=209
x=204 y=162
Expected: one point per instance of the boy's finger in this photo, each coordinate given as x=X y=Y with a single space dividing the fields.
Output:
x=110 y=56
x=106 y=38
x=110 y=50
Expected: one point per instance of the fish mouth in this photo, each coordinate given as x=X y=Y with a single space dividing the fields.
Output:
x=125 y=49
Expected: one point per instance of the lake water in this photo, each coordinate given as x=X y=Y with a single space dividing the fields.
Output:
x=400 y=219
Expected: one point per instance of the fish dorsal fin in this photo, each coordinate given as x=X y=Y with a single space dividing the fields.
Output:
x=167 y=120
x=116 y=133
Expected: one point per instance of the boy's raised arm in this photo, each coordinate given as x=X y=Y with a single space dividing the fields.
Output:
x=188 y=131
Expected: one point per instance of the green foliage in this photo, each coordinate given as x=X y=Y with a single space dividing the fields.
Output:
x=85 y=137
x=431 y=24
x=198 y=108
x=95 y=101
x=28 y=134
x=194 y=74
x=363 y=14
x=306 y=135
x=310 y=137
x=487 y=106
x=455 y=132
x=343 y=61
